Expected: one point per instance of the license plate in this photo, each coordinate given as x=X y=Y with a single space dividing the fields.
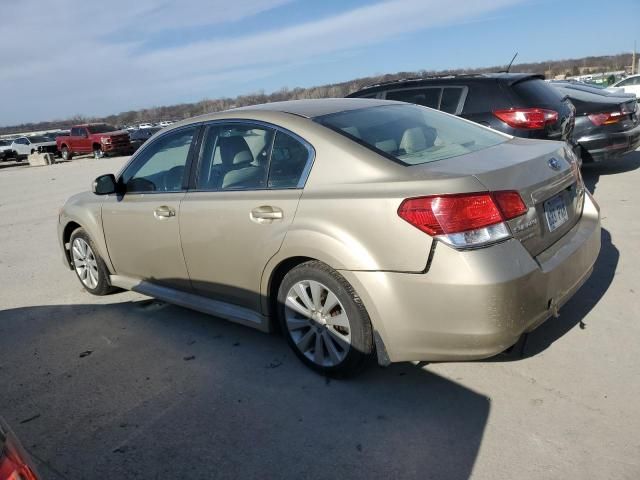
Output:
x=556 y=212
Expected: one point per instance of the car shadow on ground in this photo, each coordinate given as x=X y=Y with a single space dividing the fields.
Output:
x=591 y=172
x=152 y=390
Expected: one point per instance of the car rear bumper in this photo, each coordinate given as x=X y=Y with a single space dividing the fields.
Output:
x=609 y=146
x=475 y=304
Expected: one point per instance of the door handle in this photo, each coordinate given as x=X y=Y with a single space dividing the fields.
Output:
x=164 y=212
x=266 y=214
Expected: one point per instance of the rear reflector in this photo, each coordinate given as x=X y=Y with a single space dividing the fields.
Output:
x=464 y=220
x=599 y=119
x=527 y=118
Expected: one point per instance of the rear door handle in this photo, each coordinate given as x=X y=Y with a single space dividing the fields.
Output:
x=266 y=214
x=164 y=212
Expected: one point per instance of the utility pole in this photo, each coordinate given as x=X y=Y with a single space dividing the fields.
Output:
x=633 y=62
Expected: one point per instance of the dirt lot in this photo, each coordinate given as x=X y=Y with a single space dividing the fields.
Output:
x=124 y=387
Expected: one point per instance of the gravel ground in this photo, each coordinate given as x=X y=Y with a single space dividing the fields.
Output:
x=124 y=386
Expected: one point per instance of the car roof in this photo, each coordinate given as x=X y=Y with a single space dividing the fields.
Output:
x=509 y=78
x=315 y=107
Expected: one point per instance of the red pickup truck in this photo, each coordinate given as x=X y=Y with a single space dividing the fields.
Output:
x=97 y=138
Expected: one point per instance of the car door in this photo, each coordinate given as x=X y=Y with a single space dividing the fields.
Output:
x=141 y=225
x=83 y=142
x=21 y=146
x=247 y=188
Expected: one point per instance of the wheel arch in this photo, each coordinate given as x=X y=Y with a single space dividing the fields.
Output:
x=68 y=230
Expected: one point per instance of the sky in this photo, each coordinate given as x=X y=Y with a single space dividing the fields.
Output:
x=62 y=58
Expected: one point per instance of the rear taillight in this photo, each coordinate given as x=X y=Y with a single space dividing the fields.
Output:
x=464 y=220
x=527 y=118
x=13 y=465
x=599 y=119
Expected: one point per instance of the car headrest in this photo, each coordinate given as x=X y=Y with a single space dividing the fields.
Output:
x=416 y=139
x=234 y=151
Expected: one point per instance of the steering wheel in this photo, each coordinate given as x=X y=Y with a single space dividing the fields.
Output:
x=172 y=179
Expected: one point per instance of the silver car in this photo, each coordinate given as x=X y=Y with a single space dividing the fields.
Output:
x=363 y=228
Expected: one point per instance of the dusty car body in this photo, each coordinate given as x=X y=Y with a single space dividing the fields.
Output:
x=442 y=241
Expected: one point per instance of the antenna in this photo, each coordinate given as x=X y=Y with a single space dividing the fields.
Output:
x=511 y=63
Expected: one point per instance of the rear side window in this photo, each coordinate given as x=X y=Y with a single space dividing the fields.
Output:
x=289 y=158
x=234 y=157
x=447 y=99
x=427 y=97
x=536 y=93
x=410 y=134
x=451 y=97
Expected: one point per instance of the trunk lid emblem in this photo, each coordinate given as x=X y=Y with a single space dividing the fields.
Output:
x=554 y=164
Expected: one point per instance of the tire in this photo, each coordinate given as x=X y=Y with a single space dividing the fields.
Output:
x=342 y=329
x=98 y=153
x=65 y=154
x=87 y=264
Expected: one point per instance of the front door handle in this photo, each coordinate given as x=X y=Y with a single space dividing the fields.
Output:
x=266 y=214
x=164 y=212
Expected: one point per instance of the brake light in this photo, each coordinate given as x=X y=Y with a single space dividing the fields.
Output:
x=13 y=466
x=599 y=119
x=527 y=118
x=464 y=220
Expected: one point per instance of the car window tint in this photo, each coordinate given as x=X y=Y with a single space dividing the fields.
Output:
x=288 y=160
x=536 y=92
x=427 y=97
x=234 y=156
x=161 y=165
x=450 y=99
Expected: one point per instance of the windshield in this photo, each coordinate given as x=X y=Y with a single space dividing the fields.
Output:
x=101 y=128
x=39 y=139
x=411 y=134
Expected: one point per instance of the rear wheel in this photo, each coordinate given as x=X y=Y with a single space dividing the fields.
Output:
x=89 y=267
x=324 y=320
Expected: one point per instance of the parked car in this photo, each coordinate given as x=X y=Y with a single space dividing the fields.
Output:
x=145 y=125
x=607 y=125
x=15 y=463
x=165 y=123
x=519 y=104
x=363 y=227
x=138 y=137
x=97 y=138
x=629 y=84
x=24 y=146
x=6 y=150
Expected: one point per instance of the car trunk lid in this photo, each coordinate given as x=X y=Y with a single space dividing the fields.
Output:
x=546 y=179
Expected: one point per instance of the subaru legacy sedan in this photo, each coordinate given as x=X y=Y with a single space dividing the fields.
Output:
x=361 y=228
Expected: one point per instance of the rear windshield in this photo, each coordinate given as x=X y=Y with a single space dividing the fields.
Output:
x=101 y=128
x=411 y=134
x=537 y=92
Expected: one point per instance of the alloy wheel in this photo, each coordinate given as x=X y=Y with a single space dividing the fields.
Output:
x=85 y=263
x=318 y=323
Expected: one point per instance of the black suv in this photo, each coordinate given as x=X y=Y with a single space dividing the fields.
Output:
x=519 y=104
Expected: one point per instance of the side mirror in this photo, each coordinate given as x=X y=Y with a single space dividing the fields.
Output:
x=105 y=184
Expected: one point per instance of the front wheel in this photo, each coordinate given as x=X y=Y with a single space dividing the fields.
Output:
x=66 y=154
x=324 y=320
x=98 y=153
x=89 y=267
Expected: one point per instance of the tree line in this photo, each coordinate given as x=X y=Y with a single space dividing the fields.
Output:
x=186 y=110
